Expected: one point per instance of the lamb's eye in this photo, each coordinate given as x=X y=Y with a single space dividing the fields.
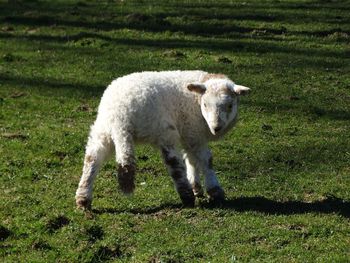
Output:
x=205 y=105
x=229 y=107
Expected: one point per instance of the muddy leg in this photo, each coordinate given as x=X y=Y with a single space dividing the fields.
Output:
x=193 y=177
x=124 y=148
x=97 y=151
x=203 y=157
x=177 y=171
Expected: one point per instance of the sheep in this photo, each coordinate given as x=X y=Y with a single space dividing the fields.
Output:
x=171 y=110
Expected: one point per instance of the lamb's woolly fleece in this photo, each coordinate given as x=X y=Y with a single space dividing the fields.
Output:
x=158 y=108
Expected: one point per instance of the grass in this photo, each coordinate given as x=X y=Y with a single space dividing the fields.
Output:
x=285 y=167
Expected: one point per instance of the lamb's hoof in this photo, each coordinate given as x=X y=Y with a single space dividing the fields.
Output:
x=83 y=203
x=198 y=193
x=189 y=203
x=188 y=200
x=216 y=195
x=127 y=188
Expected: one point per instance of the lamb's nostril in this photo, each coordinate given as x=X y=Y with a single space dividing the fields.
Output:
x=217 y=129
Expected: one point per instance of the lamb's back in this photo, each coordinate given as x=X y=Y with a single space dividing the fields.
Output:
x=148 y=101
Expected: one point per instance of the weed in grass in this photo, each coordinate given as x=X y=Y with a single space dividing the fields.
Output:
x=56 y=223
x=40 y=245
x=95 y=233
x=106 y=253
x=4 y=233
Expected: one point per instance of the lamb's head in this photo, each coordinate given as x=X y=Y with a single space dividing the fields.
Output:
x=219 y=99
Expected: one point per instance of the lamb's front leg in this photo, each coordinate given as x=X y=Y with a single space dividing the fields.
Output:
x=177 y=171
x=193 y=170
x=212 y=186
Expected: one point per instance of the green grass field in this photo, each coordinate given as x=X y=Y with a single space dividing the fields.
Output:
x=285 y=167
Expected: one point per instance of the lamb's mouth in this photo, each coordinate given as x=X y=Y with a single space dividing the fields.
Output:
x=216 y=130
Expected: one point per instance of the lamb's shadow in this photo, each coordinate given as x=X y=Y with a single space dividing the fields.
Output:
x=136 y=211
x=258 y=204
x=272 y=207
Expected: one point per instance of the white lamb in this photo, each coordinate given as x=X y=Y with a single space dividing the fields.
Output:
x=168 y=109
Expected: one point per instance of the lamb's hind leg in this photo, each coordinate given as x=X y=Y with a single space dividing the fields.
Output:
x=177 y=171
x=98 y=149
x=124 y=150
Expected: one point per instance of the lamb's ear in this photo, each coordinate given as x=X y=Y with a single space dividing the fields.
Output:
x=241 y=90
x=196 y=87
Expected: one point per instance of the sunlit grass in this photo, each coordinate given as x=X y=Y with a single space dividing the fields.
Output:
x=285 y=167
